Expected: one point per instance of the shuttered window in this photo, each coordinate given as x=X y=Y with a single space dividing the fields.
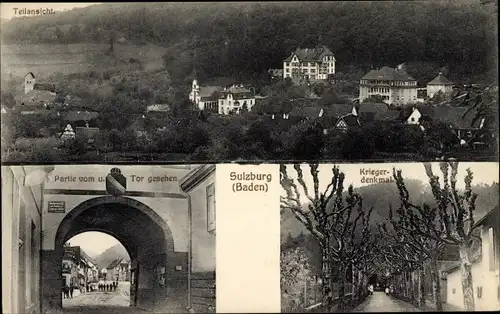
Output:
x=211 y=208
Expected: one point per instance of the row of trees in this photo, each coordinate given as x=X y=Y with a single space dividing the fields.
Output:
x=419 y=233
x=340 y=225
x=402 y=248
x=247 y=136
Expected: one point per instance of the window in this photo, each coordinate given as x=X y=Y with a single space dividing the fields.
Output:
x=211 y=208
x=479 y=292
x=453 y=291
x=492 y=244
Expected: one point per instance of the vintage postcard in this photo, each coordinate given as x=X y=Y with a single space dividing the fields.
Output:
x=218 y=82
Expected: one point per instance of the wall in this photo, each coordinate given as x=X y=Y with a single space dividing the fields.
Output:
x=164 y=198
x=482 y=278
x=203 y=250
x=21 y=226
x=203 y=242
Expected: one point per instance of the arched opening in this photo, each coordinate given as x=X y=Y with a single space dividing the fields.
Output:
x=145 y=235
x=95 y=271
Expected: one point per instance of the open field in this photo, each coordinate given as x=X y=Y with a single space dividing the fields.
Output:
x=49 y=59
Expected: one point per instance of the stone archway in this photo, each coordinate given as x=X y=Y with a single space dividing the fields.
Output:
x=144 y=234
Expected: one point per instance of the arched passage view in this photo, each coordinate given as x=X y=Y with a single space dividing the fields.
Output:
x=163 y=216
x=96 y=272
x=391 y=238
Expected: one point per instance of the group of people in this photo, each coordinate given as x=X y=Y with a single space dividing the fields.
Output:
x=68 y=291
x=89 y=287
x=107 y=286
x=388 y=290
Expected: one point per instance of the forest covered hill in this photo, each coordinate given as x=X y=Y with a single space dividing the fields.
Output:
x=117 y=251
x=219 y=39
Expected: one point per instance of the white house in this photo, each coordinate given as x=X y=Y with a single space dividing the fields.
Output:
x=439 y=84
x=485 y=269
x=309 y=64
x=222 y=100
x=394 y=86
x=416 y=114
x=235 y=100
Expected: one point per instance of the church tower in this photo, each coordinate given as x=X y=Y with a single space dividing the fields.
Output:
x=29 y=82
x=195 y=91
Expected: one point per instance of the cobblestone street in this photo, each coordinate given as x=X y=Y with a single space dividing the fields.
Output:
x=379 y=302
x=101 y=302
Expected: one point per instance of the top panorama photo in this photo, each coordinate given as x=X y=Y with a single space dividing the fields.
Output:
x=251 y=81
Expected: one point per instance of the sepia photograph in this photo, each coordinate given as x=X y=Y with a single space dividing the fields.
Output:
x=108 y=239
x=225 y=81
x=402 y=237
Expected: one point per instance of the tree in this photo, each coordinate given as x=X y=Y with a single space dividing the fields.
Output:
x=8 y=100
x=329 y=218
x=451 y=221
x=305 y=141
x=294 y=270
x=482 y=104
x=410 y=250
x=74 y=34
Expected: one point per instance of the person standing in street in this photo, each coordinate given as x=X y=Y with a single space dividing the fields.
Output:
x=71 y=289
x=370 y=289
x=66 y=291
x=386 y=290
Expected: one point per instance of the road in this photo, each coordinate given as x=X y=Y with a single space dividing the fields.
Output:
x=102 y=302
x=380 y=302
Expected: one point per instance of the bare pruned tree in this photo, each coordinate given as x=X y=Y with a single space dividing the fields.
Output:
x=343 y=238
x=451 y=221
x=410 y=251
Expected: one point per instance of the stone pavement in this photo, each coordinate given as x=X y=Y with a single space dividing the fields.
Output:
x=379 y=302
x=103 y=302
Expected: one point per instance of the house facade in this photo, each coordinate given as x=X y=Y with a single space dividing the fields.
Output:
x=394 y=86
x=21 y=237
x=222 y=100
x=76 y=267
x=439 y=84
x=485 y=269
x=199 y=185
x=235 y=100
x=309 y=64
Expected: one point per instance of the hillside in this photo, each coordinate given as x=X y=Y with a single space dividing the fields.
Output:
x=220 y=39
x=115 y=252
x=47 y=59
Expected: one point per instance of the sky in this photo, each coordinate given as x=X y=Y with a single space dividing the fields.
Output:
x=483 y=173
x=93 y=243
x=8 y=12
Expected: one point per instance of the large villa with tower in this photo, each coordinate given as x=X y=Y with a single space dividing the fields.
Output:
x=309 y=64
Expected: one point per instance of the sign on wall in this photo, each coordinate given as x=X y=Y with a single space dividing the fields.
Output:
x=56 y=206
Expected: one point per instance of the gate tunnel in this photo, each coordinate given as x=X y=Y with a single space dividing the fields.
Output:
x=155 y=285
